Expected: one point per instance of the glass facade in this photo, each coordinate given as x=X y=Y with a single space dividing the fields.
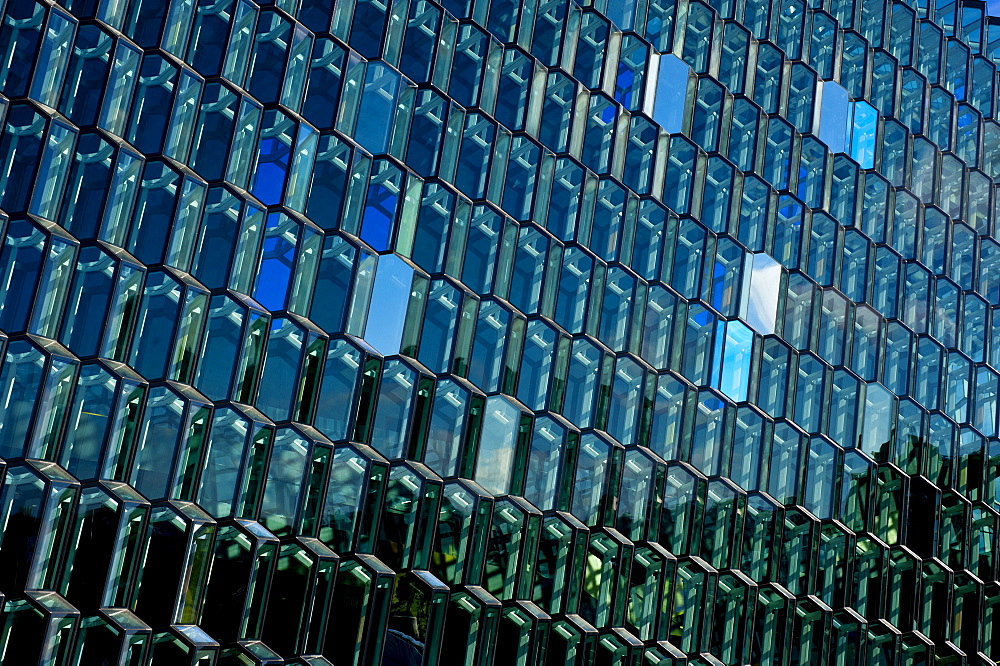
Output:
x=499 y=332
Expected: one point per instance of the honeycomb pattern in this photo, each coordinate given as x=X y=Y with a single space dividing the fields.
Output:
x=495 y=333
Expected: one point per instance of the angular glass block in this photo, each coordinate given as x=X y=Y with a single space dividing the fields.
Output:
x=864 y=125
x=665 y=102
x=558 y=333
x=390 y=296
x=102 y=566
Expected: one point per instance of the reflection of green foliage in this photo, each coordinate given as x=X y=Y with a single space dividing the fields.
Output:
x=444 y=560
x=410 y=601
x=677 y=620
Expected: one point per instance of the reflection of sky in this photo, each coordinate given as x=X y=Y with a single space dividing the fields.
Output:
x=376 y=224
x=272 y=167
x=762 y=304
x=863 y=134
x=378 y=103
x=496 y=449
x=735 y=378
x=834 y=109
x=621 y=12
x=993 y=7
x=608 y=114
x=390 y=296
x=671 y=88
x=877 y=420
x=276 y=266
x=623 y=85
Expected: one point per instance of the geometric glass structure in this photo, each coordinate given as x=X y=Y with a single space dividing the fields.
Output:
x=472 y=332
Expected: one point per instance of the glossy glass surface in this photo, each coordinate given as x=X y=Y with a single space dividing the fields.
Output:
x=583 y=332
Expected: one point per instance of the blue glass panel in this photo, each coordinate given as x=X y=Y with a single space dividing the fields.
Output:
x=52 y=58
x=735 y=372
x=380 y=209
x=667 y=102
x=390 y=297
x=272 y=169
x=21 y=378
x=20 y=268
x=834 y=109
x=285 y=482
x=865 y=126
x=164 y=426
x=277 y=261
x=378 y=105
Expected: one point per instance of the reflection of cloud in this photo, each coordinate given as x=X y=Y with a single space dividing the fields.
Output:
x=762 y=305
x=496 y=450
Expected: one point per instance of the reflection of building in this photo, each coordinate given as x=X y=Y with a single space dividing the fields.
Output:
x=499 y=333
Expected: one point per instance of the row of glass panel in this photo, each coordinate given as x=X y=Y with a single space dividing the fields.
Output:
x=162 y=322
x=60 y=409
x=80 y=99
x=165 y=193
x=273 y=57
x=273 y=155
x=102 y=420
x=912 y=98
x=400 y=516
x=278 y=180
x=839 y=38
x=329 y=60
